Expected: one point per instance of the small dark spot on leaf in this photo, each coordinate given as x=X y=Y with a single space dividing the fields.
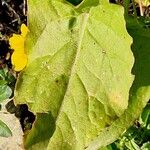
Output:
x=56 y=81
x=107 y=125
x=107 y=129
x=103 y=51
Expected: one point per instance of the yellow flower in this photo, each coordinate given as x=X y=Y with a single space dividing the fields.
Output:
x=19 y=58
x=17 y=42
x=24 y=30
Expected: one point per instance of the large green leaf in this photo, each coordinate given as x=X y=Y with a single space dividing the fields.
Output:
x=140 y=91
x=79 y=72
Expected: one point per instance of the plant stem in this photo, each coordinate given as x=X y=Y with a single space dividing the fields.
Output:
x=141 y=8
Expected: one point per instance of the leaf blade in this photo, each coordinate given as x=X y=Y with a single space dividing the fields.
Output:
x=79 y=70
x=4 y=130
x=140 y=91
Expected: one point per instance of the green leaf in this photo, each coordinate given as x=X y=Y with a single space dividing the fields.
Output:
x=145 y=146
x=85 y=4
x=145 y=116
x=140 y=91
x=4 y=130
x=76 y=68
x=5 y=91
x=41 y=132
x=2 y=74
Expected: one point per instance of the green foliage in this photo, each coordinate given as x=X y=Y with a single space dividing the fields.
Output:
x=5 y=90
x=137 y=136
x=78 y=79
x=4 y=130
x=145 y=117
x=6 y=80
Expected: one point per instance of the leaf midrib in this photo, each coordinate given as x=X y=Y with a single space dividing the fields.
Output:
x=83 y=23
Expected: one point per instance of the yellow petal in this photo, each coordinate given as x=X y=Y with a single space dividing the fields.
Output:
x=19 y=61
x=17 y=43
x=24 y=30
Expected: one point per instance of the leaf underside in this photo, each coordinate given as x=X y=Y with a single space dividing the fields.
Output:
x=78 y=75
